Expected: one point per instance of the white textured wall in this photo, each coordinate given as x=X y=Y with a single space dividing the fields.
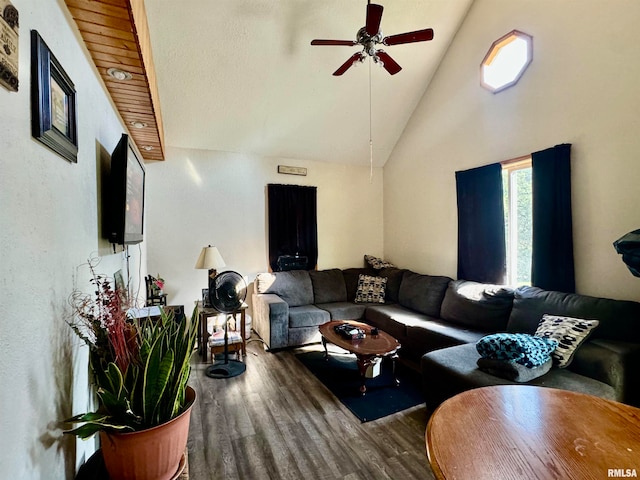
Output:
x=49 y=224
x=582 y=88
x=198 y=197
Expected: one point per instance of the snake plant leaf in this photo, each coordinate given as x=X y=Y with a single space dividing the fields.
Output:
x=114 y=379
x=184 y=347
x=85 y=431
x=87 y=417
x=133 y=386
x=156 y=376
x=90 y=428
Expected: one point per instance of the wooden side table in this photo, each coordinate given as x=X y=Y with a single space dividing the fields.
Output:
x=203 y=332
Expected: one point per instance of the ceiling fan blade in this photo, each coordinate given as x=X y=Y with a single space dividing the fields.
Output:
x=346 y=65
x=374 y=16
x=388 y=63
x=409 y=37
x=346 y=43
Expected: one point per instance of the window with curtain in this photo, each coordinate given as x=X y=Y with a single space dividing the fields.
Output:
x=481 y=224
x=292 y=223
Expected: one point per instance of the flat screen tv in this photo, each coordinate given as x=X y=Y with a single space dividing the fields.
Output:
x=126 y=192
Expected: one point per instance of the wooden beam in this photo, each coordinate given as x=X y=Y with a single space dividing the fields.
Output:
x=116 y=34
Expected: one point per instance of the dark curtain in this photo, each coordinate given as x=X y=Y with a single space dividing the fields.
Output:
x=481 y=241
x=293 y=228
x=552 y=255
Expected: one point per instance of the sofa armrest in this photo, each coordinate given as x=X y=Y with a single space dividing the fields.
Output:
x=613 y=362
x=271 y=319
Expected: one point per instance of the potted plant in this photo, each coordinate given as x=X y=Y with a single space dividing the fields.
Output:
x=140 y=370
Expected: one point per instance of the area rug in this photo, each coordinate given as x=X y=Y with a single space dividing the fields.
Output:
x=341 y=376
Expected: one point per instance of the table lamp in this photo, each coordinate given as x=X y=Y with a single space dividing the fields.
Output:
x=210 y=259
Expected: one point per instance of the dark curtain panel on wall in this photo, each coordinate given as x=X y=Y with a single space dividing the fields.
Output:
x=293 y=228
x=481 y=242
x=552 y=254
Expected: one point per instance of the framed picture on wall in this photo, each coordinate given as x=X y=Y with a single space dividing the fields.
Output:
x=53 y=102
x=9 y=59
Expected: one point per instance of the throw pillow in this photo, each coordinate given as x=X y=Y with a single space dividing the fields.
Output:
x=377 y=263
x=521 y=348
x=371 y=289
x=569 y=332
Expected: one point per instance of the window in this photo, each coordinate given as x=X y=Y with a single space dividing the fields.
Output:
x=293 y=227
x=530 y=198
x=506 y=61
x=518 y=219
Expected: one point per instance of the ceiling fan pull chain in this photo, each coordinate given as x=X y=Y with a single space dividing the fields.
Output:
x=370 y=129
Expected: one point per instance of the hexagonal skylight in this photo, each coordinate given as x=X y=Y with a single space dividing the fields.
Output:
x=506 y=61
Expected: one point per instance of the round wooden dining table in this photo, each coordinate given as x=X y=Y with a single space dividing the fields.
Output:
x=527 y=432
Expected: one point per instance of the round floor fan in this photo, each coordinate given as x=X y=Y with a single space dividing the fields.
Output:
x=227 y=292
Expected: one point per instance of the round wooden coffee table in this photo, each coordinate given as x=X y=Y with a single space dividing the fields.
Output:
x=367 y=349
x=526 y=432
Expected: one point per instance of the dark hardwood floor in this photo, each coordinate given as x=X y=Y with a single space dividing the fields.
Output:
x=277 y=421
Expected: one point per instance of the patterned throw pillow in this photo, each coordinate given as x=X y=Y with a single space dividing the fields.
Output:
x=377 y=263
x=569 y=332
x=371 y=289
x=521 y=348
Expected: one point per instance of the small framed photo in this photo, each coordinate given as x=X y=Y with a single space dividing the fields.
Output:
x=53 y=102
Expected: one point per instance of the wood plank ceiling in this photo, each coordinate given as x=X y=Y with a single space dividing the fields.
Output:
x=117 y=36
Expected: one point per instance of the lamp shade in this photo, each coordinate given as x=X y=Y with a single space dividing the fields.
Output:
x=210 y=259
x=629 y=247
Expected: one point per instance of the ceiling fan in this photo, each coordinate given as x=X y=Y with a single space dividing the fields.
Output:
x=369 y=36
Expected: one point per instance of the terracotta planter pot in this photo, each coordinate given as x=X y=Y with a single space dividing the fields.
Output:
x=152 y=454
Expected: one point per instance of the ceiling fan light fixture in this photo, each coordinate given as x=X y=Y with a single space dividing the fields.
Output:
x=370 y=36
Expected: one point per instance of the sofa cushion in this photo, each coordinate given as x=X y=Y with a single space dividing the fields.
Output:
x=522 y=348
x=423 y=293
x=394 y=279
x=434 y=334
x=418 y=333
x=449 y=371
x=480 y=306
x=619 y=319
x=568 y=332
x=613 y=362
x=343 y=310
x=328 y=286
x=294 y=286
x=392 y=319
x=370 y=289
x=307 y=316
x=351 y=276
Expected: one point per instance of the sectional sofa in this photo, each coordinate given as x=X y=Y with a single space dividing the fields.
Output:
x=438 y=321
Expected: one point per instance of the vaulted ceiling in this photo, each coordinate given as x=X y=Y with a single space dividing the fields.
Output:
x=241 y=75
